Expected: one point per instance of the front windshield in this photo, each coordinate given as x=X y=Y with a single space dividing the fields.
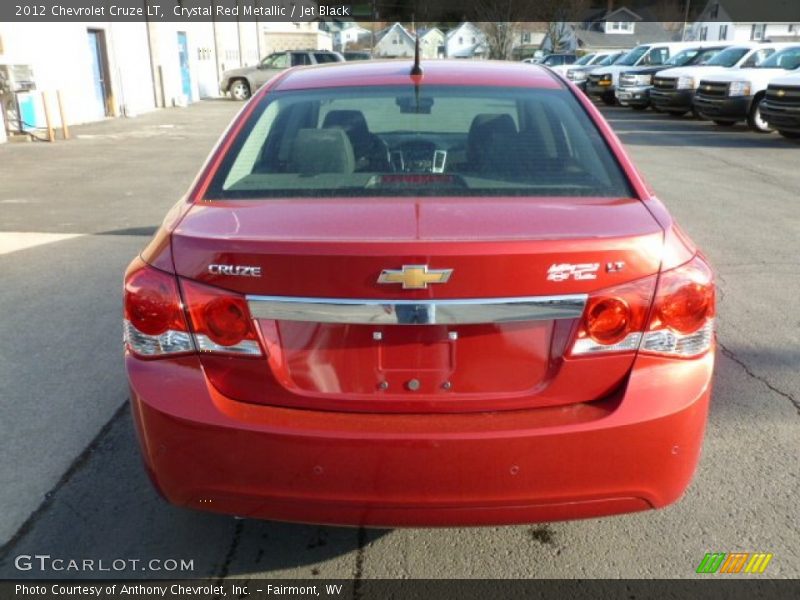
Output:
x=705 y=55
x=434 y=141
x=682 y=58
x=632 y=57
x=728 y=57
x=610 y=59
x=788 y=59
x=584 y=60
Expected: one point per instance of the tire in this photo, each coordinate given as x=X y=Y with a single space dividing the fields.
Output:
x=755 y=120
x=608 y=99
x=790 y=135
x=240 y=89
x=677 y=113
x=725 y=123
x=640 y=106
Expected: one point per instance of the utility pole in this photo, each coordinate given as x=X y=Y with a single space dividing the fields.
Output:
x=685 y=19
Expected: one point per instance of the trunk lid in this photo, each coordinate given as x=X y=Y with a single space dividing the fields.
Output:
x=498 y=249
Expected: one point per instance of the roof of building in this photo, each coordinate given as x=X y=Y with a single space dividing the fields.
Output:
x=644 y=32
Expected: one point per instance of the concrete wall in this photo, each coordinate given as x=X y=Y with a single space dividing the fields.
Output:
x=143 y=62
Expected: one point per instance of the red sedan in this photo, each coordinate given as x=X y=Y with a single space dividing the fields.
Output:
x=439 y=298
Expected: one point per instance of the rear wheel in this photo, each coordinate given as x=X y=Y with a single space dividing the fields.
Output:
x=639 y=106
x=724 y=123
x=790 y=135
x=608 y=99
x=240 y=89
x=677 y=113
x=756 y=120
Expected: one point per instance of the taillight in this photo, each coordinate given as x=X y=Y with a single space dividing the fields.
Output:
x=682 y=323
x=220 y=320
x=154 y=324
x=614 y=318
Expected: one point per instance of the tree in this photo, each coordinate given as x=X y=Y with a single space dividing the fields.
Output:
x=502 y=21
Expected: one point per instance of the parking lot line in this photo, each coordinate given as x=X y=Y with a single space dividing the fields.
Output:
x=11 y=241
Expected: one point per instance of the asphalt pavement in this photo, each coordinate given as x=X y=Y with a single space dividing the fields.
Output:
x=73 y=214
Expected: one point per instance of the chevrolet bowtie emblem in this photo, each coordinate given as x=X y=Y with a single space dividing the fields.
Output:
x=781 y=93
x=415 y=277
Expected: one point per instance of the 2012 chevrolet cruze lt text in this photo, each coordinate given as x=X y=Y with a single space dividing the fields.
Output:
x=395 y=298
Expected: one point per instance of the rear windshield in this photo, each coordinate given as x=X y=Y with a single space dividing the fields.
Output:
x=398 y=141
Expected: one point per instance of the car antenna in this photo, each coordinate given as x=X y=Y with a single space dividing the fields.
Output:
x=416 y=69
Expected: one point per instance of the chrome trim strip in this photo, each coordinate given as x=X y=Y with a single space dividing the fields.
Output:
x=417 y=312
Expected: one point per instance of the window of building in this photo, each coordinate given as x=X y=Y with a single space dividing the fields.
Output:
x=723 y=32
x=619 y=27
x=757 y=31
x=703 y=33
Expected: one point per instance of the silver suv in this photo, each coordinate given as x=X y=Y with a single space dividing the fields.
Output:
x=241 y=83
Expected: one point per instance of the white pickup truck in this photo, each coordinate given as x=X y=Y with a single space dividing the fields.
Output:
x=603 y=82
x=738 y=95
x=674 y=89
x=781 y=106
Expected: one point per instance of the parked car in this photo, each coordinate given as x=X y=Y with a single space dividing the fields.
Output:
x=602 y=83
x=728 y=98
x=356 y=55
x=557 y=60
x=635 y=85
x=584 y=60
x=242 y=82
x=781 y=106
x=579 y=74
x=674 y=89
x=516 y=332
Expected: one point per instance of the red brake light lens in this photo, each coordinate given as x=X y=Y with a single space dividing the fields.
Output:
x=154 y=321
x=227 y=321
x=152 y=303
x=685 y=298
x=220 y=320
x=683 y=314
x=608 y=320
x=614 y=318
x=681 y=323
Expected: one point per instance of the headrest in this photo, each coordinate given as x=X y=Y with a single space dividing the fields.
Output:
x=352 y=121
x=321 y=151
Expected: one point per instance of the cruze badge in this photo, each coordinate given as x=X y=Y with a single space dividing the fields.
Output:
x=235 y=270
x=415 y=277
x=565 y=271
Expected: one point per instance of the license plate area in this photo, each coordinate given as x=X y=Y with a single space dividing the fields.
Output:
x=408 y=361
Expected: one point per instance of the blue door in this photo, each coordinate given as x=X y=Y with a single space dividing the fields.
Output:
x=99 y=97
x=183 y=57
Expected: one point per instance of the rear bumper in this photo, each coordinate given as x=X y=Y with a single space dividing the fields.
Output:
x=672 y=99
x=634 y=95
x=729 y=109
x=782 y=118
x=635 y=451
